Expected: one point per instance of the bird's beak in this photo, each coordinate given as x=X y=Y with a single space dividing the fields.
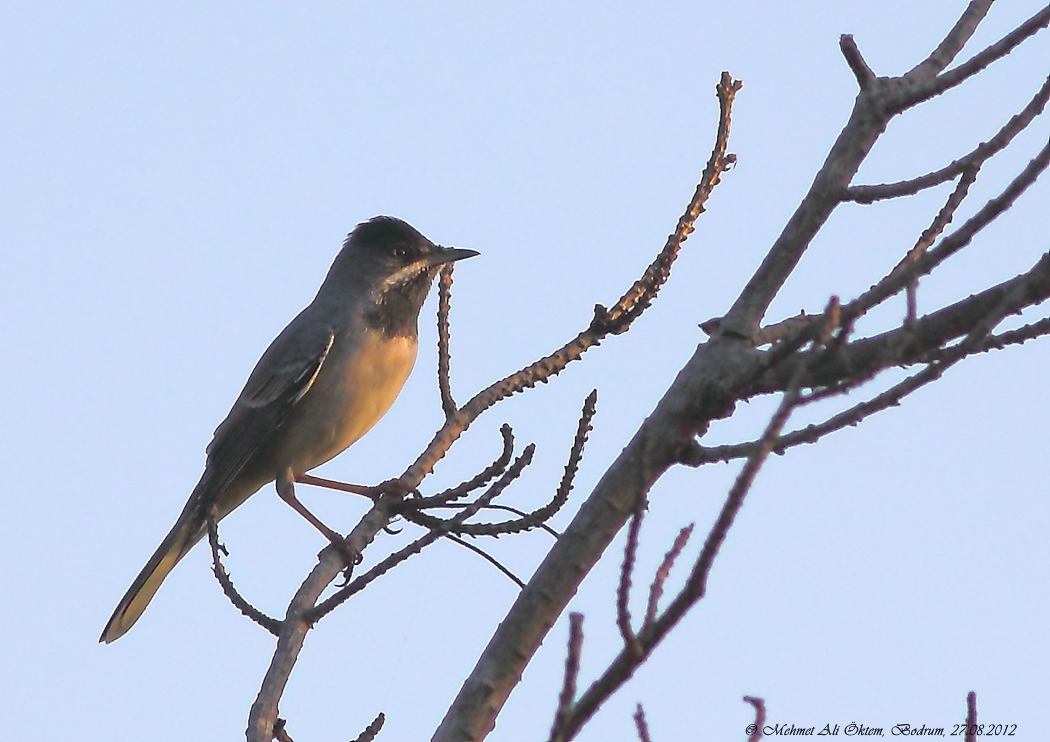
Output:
x=448 y=255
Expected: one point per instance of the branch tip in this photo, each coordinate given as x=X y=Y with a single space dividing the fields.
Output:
x=861 y=71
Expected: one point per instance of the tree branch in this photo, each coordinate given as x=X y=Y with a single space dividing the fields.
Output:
x=652 y=450
x=867 y=194
x=448 y=404
x=978 y=62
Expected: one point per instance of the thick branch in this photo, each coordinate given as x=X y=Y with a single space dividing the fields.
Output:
x=621 y=669
x=862 y=359
x=920 y=342
x=878 y=101
x=295 y=626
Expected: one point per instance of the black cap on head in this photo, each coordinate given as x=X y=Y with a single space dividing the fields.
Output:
x=396 y=264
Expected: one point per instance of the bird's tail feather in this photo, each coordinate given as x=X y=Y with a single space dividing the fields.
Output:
x=186 y=532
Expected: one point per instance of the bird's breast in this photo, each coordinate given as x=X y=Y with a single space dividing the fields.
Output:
x=356 y=385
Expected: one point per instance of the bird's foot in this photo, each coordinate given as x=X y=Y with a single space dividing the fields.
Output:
x=394 y=488
x=351 y=558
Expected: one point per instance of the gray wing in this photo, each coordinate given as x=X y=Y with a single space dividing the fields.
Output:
x=282 y=376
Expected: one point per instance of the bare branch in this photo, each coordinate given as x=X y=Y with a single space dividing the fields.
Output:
x=999 y=342
x=760 y=717
x=908 y=271
x=875 y=106
x=448 y=404
x=645 y=458
x=657 y=588
x=296 y=625
x=931 y=233
x=980 y=154
x=725 y=370
x=623 y=666
x=855 y=60
x=866 y=124
x=613 y=321
x=978 y=62
x=641 y=725
x=782 y=330
x=270 y=624
x=983 y=312
x=280 y=733
x=953 y=42
x=487 y=557
x=623 y=589
x=507 y=509
x=372 y=729
x=971 y=717
x=536 y=517
x=480 y=480
x=343 y=594
x=572 y=671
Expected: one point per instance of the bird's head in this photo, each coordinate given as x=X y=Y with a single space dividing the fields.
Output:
x=395 y=265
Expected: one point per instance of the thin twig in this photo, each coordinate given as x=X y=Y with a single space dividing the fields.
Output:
x=971 y=717
x=487 y=557
x=952 y=44
x=280 y=732
x=932 y=232
x=372 y=729
x=478 y=481
x=855 y=60
x=760 y=718
x=867 y=194
x=979 y=61
x=536 y=517
x=507 y=509
x=906 y=272
x=657 y=588
x=1000 y=341
x=270 y=624
x=448 y=404
x=641 y=725
x=623 y=589
x=572 y=671
x=612 y=321
x=360 y=583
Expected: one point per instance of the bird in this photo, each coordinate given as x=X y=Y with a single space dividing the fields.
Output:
x=323 y=382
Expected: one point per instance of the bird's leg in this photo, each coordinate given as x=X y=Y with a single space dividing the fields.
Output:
x=357 y=489
x=393 y=487
x=286 y=491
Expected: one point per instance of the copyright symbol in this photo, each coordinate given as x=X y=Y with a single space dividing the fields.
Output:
x=750 y=729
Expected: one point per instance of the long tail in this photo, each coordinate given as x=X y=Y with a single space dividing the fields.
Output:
x=186 y=532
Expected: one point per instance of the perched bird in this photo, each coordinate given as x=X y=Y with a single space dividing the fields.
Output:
x=321 y=385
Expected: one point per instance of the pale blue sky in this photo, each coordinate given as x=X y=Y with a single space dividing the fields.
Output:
x=174 y=182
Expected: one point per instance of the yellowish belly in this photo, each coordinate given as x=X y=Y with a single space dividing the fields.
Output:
x=352 y=392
